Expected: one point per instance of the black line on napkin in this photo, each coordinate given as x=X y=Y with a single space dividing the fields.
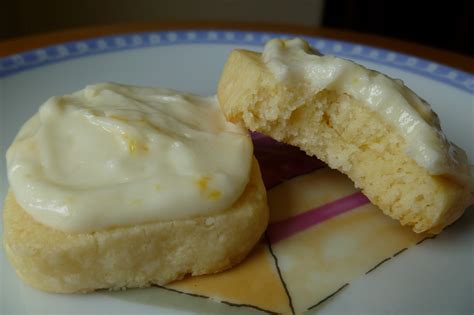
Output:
x=279 y=274
x=328 y=297
x=248 y=305
x=181 y=292
x=400 y=251
x=378 y=265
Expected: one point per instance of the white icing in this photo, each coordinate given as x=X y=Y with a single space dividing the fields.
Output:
x=113 y=155
x=294 y=62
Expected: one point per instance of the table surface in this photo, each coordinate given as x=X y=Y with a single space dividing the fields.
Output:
x=452 y=59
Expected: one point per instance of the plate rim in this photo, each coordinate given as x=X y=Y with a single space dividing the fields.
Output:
x=35 y=58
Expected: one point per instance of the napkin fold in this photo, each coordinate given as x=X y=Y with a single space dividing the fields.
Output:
x=323 y=234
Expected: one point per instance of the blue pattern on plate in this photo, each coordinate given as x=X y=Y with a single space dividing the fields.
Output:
x=13 y=64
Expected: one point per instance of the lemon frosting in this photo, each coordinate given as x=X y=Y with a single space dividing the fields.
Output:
x=112 y=155
x=294 y=62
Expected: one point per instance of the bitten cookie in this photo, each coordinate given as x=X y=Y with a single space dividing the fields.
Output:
x=359 y=121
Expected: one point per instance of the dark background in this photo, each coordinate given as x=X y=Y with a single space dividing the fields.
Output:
x=446 y=24
x=442 y=24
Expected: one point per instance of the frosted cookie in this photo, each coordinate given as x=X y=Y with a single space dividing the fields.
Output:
x=117 y=186
x=359 y=121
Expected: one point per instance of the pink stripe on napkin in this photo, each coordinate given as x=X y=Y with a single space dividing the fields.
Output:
x=283 y=229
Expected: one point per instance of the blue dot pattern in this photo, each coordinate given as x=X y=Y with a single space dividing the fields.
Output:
x=16 y=63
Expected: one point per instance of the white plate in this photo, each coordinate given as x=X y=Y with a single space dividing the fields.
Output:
x=436 y=278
